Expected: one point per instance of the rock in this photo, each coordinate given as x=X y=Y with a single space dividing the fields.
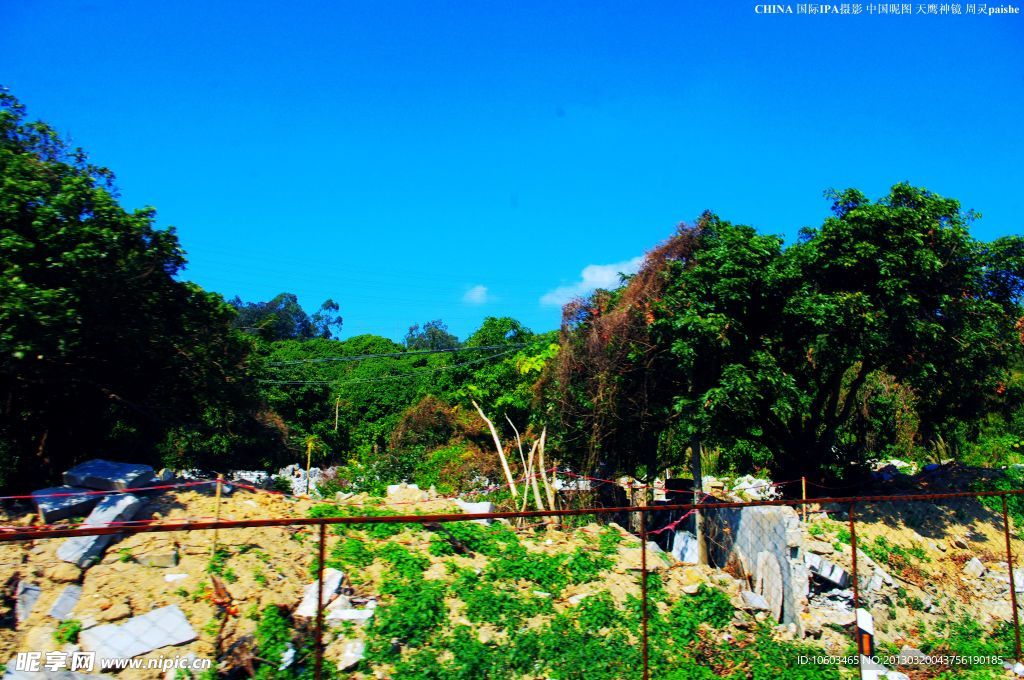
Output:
x=61 y=502
x=481 y=508
x=577 y=598
x=351 y=654
x=165 y=475
x=115 y=612
x=753 y=488
x=819 y=547
x=139 y=635
x=769 y=582
x=171 y=578
x=974 y=568
x=930 y=467
x=62 y=572
x=25 y=595
x=753 y=601
x=332 y=581
x=406 y=493
x=108 y=475
x=939 y=545
x=691 y=588
x=87 y=550
x=165 y=555
x=66 y=602
x=654 y=548
x=961 y=543
x=895 y=675
x=1018 y=669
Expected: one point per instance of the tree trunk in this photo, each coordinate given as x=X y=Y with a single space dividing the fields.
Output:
x=698 y=496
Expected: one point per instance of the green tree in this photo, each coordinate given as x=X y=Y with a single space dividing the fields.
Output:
x=433 y=335
x=282 y=318
x=728 y=336
x=102 y=349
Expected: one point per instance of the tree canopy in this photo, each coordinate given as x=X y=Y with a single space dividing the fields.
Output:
x=102 y=349
x=729 y=336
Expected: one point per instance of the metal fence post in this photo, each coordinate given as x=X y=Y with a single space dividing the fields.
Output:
x=856 y=588
x=1013 y=586
x=318 y=669
x=643 y=589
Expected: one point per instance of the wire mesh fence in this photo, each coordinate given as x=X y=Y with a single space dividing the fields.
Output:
x=836 y=587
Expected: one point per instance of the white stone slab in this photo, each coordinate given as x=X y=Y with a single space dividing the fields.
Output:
x=139 y=635
x=332 y=581
x=66 y=602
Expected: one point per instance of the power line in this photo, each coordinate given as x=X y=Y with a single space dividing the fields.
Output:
x=386 y=355
x=389 y=377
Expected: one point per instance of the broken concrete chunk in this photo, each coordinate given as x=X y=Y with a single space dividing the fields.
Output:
x=108 y=475
x=827 y=570
x=752 y=600
x=66 y=602
x=161 y=556
x=139 y=635
x=351 y=654
x=87 y=550
x=684 y=547
x=476 y=509
x=61 y=502
x=332 y=581
x=819 y=547
x=349 y=615
x=974 y=568
x=26 y=595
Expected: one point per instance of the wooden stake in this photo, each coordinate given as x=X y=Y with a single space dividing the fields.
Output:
x=803 y=484
x=337 y=405
x=501 y=451
x=220 y=481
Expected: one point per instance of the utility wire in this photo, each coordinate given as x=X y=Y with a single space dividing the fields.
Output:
x=359 y=357
x=386 y=377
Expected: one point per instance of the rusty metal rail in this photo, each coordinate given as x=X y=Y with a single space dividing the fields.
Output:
x=13 y=534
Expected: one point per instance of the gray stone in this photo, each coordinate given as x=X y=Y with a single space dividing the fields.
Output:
x=974 y=568
x=162 y=557
x=139 y=635
x=87 y=550
x=911 y=656
x=481 y=508
x=55 y=503
x=819 y=547
x=332 y=581
x=349 y=614
x=66 y=602
x=769 y=582
x=653 y=547
x=744 y=533
x=26 y=595
x=752 y=600
x=108 y=475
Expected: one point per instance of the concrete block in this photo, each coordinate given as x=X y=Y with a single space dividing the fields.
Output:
x=25 y=597
x=87 y=550
x=476 y=509
x=752 y=600
x=351 y=654
x=108 y=475
x=684 y=547
x=139 y=635
x=61 y=506
x=827 y=570
x=66 y=602
x=332 y=581
x=163 y=557
x=974 y=568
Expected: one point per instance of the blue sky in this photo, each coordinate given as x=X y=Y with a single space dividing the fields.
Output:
x=422 y=160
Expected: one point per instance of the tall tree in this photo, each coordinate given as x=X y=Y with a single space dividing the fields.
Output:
x=102 y=349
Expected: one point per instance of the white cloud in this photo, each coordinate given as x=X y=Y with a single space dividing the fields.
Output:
x=592 y=277
x=477 y=295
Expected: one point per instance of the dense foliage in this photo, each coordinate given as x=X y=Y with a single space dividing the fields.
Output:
x=784 y=354
x=888 y=330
